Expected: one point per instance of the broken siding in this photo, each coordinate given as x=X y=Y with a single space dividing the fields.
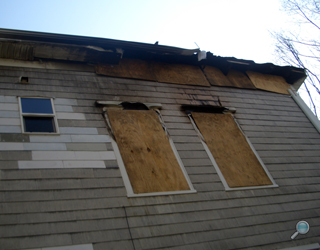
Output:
x=56 y=207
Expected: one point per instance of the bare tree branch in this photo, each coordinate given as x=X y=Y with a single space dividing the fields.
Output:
x=306 y=17
x=301 y=48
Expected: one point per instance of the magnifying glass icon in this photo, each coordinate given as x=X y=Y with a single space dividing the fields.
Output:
x=302 y=227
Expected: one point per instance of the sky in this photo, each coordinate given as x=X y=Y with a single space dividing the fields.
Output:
x=233 y=28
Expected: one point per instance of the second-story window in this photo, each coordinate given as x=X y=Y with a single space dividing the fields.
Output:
x=147 y=157
x=38 y=115
x=236 y=162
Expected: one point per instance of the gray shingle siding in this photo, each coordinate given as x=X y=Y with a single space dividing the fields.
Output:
x=60 y=207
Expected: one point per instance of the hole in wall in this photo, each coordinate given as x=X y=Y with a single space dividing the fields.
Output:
x=24 y=79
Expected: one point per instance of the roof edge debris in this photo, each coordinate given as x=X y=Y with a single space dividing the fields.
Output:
x=292 y=75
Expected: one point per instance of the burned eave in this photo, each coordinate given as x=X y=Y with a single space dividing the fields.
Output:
x=39 y=45
x=291 y=74
x=105 y=43
x=16 y=50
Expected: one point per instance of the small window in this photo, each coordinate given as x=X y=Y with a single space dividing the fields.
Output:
x=38 y=115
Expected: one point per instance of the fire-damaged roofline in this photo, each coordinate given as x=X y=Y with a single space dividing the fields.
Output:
x=104 y=43
x=292 y=75
x=155 y=52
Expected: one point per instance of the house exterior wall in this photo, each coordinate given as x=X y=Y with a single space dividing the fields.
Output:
x=81 y=198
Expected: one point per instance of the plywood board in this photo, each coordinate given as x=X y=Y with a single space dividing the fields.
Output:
x=239 y=79
x=155 y=71
x=129 y=68
x=268 y=82
x=146 y=152
x=231 y=151
x=180 y=74
x=216 y=77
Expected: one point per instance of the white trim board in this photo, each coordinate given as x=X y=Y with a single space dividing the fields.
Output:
x=306 y=110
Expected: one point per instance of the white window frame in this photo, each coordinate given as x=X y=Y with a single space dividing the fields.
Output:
x=223 y=180
x=53 y=115
x=127 y=183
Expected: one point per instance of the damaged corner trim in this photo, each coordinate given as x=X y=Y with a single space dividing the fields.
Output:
x=118 y=104
x=306 y=110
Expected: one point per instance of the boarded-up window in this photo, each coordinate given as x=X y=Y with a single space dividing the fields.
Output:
x=232 y=153
x=146 y=152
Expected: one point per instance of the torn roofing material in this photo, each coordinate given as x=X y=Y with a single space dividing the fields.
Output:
x=104 y=43
x=156 y=52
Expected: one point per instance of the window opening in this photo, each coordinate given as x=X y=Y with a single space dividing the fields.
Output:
x=233 y=156
x=148 y=160
x=37 y=115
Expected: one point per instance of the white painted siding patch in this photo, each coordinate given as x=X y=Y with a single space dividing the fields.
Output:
x=10 y=121
x=63 y=101
x=50 y=138
x=16 y=146
x=70 y=155
x=84 y=164
x=9 y=114
x=44 y=146
x=39 y=164
x=10 y=129
x=70 y=138
x=9 y=106
x=60 y=164
x=11 y=146
x=90 y=138
x=12 y=99
x=63 y=108
x=91 y=155
x=79 y=131
x=70 y=116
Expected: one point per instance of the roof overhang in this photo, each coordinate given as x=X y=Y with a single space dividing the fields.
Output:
x=103 y=50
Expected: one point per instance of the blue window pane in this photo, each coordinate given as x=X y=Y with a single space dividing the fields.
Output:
x=36 y=105
x=39 y=124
